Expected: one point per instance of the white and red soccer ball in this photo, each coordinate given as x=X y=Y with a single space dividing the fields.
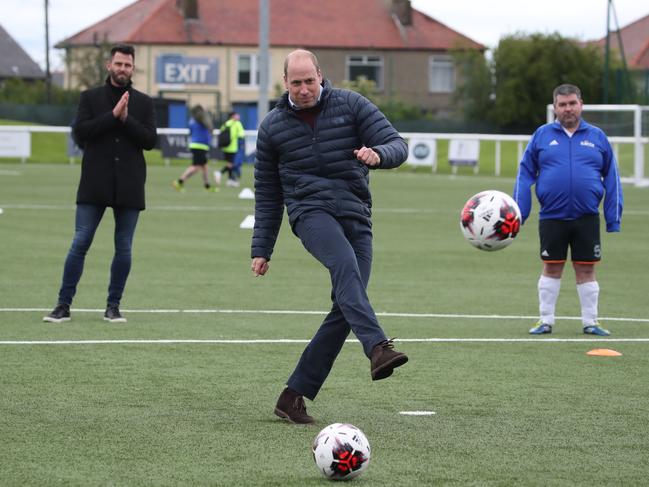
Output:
x=341 y=451
x=490 y=220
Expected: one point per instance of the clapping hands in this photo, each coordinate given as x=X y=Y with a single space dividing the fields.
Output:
x=121 y=109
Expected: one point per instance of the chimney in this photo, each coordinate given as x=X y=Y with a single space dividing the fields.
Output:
x=403 y=11
x=188 y=9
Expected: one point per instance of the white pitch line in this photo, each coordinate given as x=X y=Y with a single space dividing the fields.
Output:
x=519 y=340
x=18 y=206
x=154 y=208
x=212 y=209
x=302 y=341
x=322 y=313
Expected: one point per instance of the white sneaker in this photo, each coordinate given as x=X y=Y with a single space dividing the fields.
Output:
x=233 y=183
x=217 y=178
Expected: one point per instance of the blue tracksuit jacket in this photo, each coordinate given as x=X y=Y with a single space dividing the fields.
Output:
x=199 y=135
x=571 y=175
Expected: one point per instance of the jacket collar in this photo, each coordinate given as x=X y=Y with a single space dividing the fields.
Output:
x=583 y=125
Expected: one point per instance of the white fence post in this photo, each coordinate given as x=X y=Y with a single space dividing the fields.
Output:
x=497 y=162
x=638 y=163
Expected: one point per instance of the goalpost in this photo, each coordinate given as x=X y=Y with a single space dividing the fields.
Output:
x=625 y=125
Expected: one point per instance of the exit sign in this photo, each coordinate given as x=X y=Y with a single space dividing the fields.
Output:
x=176 y=69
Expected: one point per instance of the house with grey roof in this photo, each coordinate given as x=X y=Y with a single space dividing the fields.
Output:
x=15 y=62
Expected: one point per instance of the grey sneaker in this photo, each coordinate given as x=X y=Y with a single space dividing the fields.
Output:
x=113 y=315
x=291 y=407
x=59 y=314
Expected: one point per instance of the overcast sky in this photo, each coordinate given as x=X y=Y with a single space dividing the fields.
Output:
x=483 y=21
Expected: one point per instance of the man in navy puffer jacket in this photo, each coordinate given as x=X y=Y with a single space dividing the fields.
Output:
x=573 y=167
x=314 y=153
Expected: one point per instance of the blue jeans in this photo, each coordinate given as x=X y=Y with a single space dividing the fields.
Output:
x=86 y=223
x=344 y=247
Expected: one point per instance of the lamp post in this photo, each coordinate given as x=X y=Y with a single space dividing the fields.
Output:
x=264 y=22
x=48 y=75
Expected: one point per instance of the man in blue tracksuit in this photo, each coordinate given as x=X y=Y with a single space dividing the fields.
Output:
x=572 y=165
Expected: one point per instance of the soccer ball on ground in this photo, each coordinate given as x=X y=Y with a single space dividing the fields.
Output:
x=341 y=451
x=490 y=220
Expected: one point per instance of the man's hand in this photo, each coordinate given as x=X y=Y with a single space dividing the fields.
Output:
x=367 y=156
x=121 y=109
x=259 y=266
x=125 y=111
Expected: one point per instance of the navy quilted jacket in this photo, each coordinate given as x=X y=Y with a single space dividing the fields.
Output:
x=308 y=169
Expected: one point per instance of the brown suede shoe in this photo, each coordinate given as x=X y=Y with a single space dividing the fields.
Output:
x=291 y=407
x=385 y=359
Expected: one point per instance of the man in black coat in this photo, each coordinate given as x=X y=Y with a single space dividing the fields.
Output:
x=314 y=153
x=114 y=124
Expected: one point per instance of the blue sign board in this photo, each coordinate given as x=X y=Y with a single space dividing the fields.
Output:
x=176 y=69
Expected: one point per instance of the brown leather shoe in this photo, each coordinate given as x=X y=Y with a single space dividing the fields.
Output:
x=385 y=359
x=291 y=407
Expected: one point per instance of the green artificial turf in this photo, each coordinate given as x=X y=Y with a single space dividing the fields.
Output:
x=183 y=394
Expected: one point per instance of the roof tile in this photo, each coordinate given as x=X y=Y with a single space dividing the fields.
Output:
x=335 y=24
x=635 y=42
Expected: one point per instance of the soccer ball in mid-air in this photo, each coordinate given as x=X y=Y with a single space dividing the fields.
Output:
x=490 y=220
x=341 y=451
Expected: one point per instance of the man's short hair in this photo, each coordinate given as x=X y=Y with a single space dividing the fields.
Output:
x=124 y=49
x=302 y=52
x=564 y=90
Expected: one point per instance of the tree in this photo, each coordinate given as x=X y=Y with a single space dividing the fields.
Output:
x=513 y=88
x=18 y=91
x=393 y=108
x=87 y=66
x=474 y=95
x=528 y=68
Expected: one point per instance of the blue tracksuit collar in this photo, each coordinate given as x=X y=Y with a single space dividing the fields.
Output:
x=583 y=125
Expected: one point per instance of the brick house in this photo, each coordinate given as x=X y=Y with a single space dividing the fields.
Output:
x=206 y=51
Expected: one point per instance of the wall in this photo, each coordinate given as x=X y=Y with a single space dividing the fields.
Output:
x=405 y=75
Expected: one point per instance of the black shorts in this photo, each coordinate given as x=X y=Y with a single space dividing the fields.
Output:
x=199 y=157
x=229 y=156
x=581 y=235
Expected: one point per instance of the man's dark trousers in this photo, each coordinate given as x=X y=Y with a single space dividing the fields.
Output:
x=344 y=247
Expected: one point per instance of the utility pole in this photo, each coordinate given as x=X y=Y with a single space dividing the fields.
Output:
x=264 y=29
x=624 y=88
x=48 y=75
x=607 y=52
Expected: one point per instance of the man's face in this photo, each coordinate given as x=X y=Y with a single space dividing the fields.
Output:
x=567 y=109
x=303 y=81
x=120 y=68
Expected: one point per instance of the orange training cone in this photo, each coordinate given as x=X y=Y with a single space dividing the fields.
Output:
x=603 y=352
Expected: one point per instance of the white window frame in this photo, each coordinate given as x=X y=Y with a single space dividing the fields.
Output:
x=437 y=63
x=254 y=70
x=373 y=60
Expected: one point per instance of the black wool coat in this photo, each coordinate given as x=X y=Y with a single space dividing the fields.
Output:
x=113 y=169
